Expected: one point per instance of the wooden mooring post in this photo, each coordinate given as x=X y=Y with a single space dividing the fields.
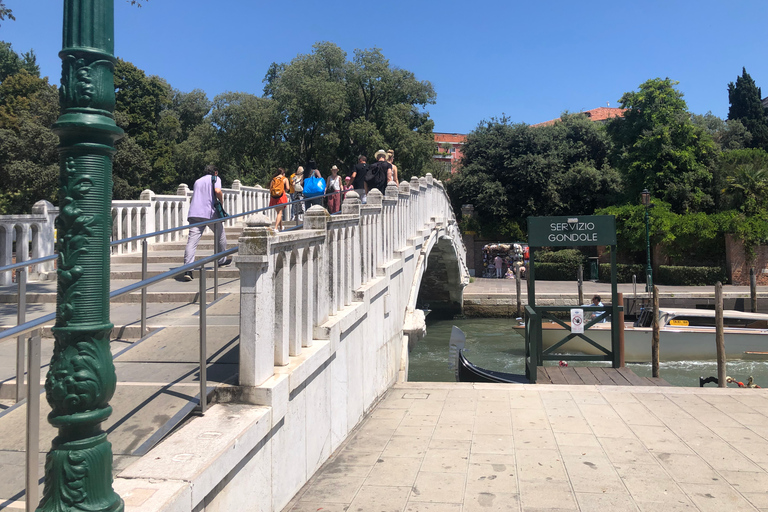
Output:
x=518 y=286
x=580 y=279
x=719 y=337
x=753 y=290
x=620 y=299
x=655 y=336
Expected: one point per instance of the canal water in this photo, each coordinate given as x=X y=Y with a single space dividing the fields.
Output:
x=492 y=344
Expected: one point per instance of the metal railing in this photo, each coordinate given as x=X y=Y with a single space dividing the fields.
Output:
x=33 y=347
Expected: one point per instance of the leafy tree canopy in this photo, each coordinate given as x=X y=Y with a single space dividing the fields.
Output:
x=659 y=147
x=745 y=98
x=515 y=170
x=11 y=62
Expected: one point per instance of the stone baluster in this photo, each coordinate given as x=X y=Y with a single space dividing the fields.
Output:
x=310 y=267
x=414 y=213
x=316 y=218
x=351 y=206
x=294 y=302
x=258 y=353
x=423 y=213
x=405 y=200
x=374 y=205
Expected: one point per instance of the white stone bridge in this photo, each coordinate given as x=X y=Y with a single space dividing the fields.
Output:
x=327 y=313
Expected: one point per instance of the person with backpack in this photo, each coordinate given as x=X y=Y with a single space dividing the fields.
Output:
x=205 y=192
x=297 y=188
x=379 y=173
x=278 y=196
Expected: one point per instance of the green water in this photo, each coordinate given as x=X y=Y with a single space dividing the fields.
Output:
x=492 y=344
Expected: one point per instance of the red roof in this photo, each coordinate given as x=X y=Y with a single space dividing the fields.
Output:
x=596 y=114
x=454 y=138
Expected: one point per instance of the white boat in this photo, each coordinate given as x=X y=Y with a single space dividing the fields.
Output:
x=684 y=334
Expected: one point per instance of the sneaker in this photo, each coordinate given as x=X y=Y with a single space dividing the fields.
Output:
x=227 y=262
x=187 y=276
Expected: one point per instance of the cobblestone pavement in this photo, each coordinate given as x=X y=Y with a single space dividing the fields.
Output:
x=431 y=447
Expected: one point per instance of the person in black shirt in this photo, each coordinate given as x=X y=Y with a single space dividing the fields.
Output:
x=358 y=177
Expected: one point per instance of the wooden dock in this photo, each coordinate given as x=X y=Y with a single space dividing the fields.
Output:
x=592 y=375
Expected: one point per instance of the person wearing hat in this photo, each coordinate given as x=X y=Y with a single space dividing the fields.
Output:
x=379 y=173
x=333 y=186
x=348 y=185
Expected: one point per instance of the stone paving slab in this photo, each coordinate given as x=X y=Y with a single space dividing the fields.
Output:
x=451 y=447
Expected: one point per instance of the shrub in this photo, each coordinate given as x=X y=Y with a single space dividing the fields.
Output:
x=555 y=271
x=624 y=273
x=569 y=256
x=691 y=276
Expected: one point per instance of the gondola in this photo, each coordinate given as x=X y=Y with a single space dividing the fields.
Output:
x=468 y=372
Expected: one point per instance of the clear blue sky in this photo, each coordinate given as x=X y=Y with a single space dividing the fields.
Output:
x=529 y=59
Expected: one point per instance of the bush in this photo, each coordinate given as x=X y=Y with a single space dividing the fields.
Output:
x=569 y=256
x=555 y=271
x=690 y=276
x=624 y=273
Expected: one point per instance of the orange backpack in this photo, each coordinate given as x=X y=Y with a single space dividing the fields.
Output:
x=277 y=187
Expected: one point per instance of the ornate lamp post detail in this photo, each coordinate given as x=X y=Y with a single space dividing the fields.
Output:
x=81 y=379
x=646 y=198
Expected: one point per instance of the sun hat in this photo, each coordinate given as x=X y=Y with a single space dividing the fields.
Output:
x=381 y=152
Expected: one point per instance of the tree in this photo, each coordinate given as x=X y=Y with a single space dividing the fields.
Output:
x=745 y=98
x=331 y=110
x=658 y=147
x=11 y=62
x=5 y=12
x=510 y=171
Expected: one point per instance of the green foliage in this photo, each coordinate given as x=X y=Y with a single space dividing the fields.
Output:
x=11 y=62
x=555 y=271
x=515 y=170
x=569 y=256
x=658 y=147
x=745 y=98
x=5 y=12
x=624 y=272
x=690 y=276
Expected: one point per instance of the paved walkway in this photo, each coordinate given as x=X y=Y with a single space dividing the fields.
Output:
x=488 y=447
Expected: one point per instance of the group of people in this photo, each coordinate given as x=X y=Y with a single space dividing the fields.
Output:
x=284 y=189
x=307 y=187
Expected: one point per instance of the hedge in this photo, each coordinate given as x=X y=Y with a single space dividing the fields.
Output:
x=555 y=271
x=690 y=276
x=624 y=273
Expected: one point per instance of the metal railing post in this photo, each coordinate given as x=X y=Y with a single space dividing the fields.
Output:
x=215 y=279
x=33 y=422
x=143 y=290
x=203 y=349
x=21 y=316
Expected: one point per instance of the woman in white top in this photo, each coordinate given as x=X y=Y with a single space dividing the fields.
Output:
x=334 y=187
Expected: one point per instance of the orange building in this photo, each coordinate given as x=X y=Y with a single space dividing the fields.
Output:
x=448 y=149
x=598 y=115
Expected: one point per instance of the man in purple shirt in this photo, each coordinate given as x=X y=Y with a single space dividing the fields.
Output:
x=201 y=209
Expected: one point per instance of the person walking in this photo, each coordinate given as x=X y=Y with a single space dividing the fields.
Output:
x=358 y=177
x=201 y=208
x=498 y=262
x=391 y=160
x=334 y=187
x=278 y=195
x=297 y=179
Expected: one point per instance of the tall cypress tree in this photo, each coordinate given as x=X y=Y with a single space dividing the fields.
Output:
x=746 y=105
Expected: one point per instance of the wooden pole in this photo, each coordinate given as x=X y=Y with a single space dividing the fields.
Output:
x=655 y=337
x=753 y=290
x=580 y=277
x=622 y=362
x=519 y=295
x=719 y=337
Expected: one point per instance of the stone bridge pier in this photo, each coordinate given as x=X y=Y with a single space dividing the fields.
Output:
x=327 y=313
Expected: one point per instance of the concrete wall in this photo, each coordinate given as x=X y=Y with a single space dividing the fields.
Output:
x=324 y=315
x=738 y=267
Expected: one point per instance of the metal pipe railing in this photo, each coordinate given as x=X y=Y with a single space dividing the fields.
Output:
x=33 y=370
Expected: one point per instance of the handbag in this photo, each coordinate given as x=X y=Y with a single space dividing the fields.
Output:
x=217 y=206
x=314 y=186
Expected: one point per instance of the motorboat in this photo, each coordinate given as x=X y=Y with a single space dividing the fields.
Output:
x=468 y=372
x=684 y=334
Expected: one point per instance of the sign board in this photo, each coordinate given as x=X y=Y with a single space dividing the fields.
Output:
x=572 y=231
x=577 y=321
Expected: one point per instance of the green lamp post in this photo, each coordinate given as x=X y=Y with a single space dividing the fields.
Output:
x=646 y=198
x=81 y=379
